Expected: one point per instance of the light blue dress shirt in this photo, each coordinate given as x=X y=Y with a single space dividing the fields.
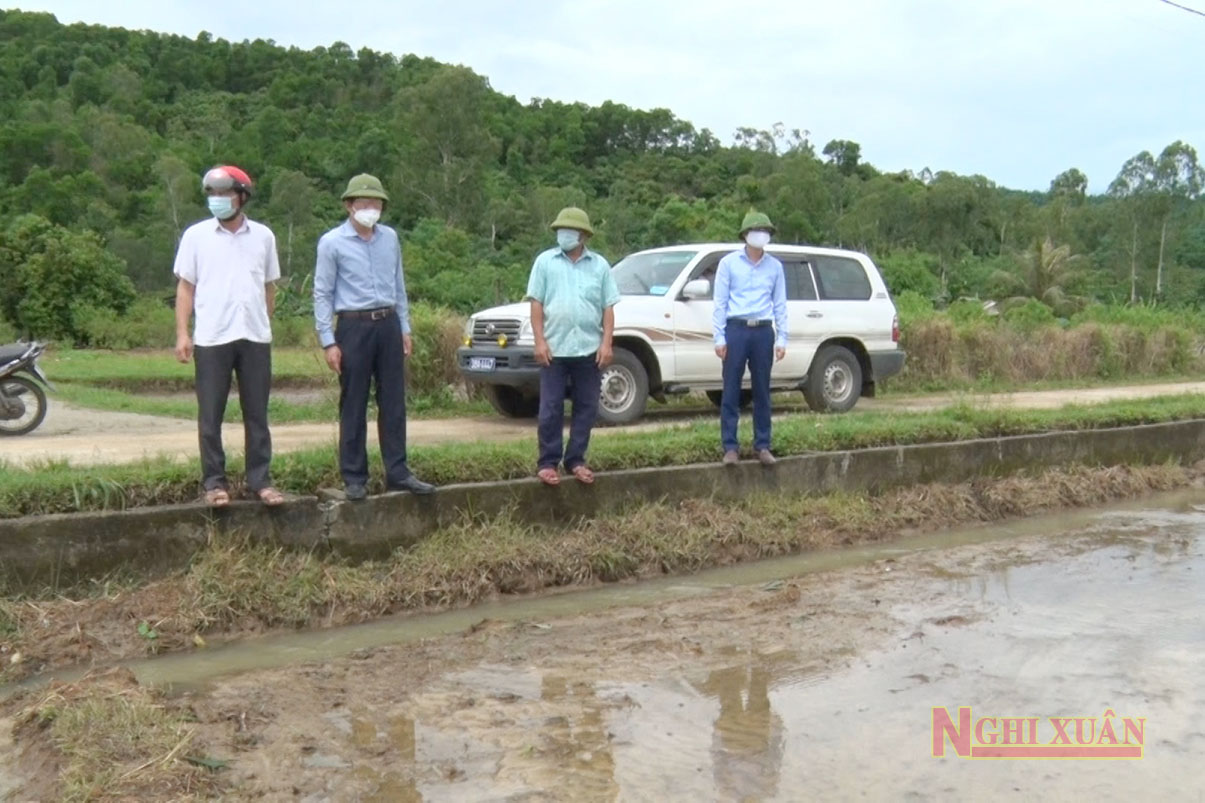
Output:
x=574 y=295
x=747 y=289
x=356 y=274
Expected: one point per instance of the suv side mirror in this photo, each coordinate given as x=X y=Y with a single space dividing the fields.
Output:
x=697 y=288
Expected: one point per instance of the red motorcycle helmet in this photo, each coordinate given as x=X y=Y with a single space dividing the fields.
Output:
x=227 y=177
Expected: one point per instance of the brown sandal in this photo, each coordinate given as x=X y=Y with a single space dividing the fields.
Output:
x=549 y=476
x=583 y=474
x=217 y=497
x=270 y=496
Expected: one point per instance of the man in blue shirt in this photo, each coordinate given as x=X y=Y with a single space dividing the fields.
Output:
x=572 y=298
x=358 y=279
x=750 y=296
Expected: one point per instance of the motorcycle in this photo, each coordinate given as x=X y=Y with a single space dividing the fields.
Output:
x=22 y=399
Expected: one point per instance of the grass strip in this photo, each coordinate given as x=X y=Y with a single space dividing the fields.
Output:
x=57 y=486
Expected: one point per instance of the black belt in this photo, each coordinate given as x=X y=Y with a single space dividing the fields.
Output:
x=378 y=314
x=751 y=321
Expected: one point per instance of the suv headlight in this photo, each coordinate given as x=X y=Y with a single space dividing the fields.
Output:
x=526 y=332
x=468 y=333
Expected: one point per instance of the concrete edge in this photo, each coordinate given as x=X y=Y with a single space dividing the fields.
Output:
x=64 y=550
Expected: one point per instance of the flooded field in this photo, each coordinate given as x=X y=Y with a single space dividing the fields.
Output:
x=808 y=678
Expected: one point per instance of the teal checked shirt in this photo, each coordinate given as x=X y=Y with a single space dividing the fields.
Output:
x=574 y=295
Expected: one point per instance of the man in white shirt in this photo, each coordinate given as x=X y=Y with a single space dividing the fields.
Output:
x=227 y=268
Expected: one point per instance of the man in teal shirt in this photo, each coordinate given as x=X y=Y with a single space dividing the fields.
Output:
x=572 y=298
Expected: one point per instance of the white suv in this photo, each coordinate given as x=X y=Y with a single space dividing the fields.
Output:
x=844 y=333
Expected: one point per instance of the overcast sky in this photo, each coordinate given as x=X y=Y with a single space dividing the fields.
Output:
x=1015 y=90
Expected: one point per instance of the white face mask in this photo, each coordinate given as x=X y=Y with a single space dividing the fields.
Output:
x=568 y=239
x=758 y=239
x=367 y=217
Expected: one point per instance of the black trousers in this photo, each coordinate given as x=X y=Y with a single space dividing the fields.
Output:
x=372 y=354
x=251 y=363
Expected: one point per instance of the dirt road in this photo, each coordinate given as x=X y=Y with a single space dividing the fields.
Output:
x=86 y=437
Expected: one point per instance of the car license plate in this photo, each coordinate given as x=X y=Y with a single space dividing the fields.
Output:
x=481 y=363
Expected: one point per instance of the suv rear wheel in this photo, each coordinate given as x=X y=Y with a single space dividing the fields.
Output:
x=717 y=397
x=512 y=402
x=834 y=382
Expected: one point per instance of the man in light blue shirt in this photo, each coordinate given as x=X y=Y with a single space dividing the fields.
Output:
x=750 y=296
x=358 y=279
x=572 y=296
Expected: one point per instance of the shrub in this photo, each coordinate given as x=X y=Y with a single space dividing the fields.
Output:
x=55 y=278
x=1029 y=315
x=436 y=332
x=148 y=323
x=912 y=307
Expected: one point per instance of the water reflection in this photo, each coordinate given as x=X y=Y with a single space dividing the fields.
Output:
x=579 y=741
x=747 y=739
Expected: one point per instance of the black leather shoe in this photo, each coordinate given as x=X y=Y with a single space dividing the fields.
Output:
x=412 y=484
x=355 y=493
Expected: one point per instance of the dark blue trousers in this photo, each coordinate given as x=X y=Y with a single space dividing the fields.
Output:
x=582 y=375
x=372 y=354
x=754 y=346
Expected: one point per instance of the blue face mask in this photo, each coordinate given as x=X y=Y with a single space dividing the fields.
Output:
x=221 y=206
x=568 y=239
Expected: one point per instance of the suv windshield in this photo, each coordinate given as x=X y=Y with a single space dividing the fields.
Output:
x=649 y=274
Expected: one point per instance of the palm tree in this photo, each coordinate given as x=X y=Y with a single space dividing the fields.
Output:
x=1045 y=272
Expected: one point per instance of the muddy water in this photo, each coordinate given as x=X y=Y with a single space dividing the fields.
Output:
x=1086 y=613
x=811 y=678
x=1118 y=627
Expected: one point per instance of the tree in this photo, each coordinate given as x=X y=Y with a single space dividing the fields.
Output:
x=1133 y=187
x=843 y=154
x=292 y=203
x=1045 y=272
x=447 y=144
x=55 y=277
x=1177 y=180
x=1153 y=191
x=179 y=187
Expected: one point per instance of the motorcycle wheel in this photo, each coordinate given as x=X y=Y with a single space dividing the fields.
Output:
x=32 y=399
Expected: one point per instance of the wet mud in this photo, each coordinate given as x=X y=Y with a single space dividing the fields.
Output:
x=807 y=678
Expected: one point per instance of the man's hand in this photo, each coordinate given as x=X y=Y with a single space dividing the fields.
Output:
x=183 y=348
x=605 y=355
x=779 y=353
x=543 y=353
x=407 y=345
x=722 y=351
x=334 y=358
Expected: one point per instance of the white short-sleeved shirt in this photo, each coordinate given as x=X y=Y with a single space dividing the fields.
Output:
x=229 y=270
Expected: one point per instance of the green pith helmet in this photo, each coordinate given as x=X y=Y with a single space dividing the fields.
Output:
x=756 y=220
x=572 y=218
x=365 y=186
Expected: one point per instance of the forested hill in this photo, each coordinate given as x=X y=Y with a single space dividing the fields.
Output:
x=108 y=130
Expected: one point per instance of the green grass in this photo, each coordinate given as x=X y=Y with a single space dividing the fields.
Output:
x=281 y=410
x=158 y=369
x=987 y=384
x=57 y=486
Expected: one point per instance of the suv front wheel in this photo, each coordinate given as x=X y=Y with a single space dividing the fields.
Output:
x=512 y=402
x=625 y=389
x=834 y=382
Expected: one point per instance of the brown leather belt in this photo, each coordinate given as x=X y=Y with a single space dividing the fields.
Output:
x=378 y=314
